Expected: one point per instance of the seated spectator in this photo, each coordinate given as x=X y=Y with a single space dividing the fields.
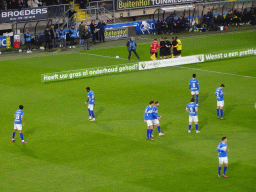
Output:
x=220 y=20
x=245 y=18
x=236 y=17
x=229 y=17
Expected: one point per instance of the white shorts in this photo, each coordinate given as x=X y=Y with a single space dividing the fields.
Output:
x=155 y=121
x=194 y=92
x=18 y=126
x=223 y=160
x=90 y=106
x=193 y=119
x=220 y=103
x=149 y=122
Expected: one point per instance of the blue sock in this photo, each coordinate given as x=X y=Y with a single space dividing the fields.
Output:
x=92 y=112
x=148 y=133
x=197 y=97
x=221 y=113
x=219 y=168
x=218 y=112
x=21 y=136
x=13 y=135
x=189 y=127
x=158 y=129
x=224 y=171
x=89 y=112
x=196 y=125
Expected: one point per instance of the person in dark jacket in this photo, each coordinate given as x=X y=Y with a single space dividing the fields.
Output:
x=27 y=37
x=131 y=45
x=220 y=19
x=93 y=28
x=81 y=32
x=47 y=35
x=53 y=36
x=101 y=27
x=86 y=36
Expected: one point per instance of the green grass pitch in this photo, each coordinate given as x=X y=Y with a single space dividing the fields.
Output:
x=66 y=152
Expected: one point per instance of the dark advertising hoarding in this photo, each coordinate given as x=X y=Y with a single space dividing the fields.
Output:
x=23 y=14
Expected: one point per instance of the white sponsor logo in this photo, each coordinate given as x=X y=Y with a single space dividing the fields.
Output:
x=29 y=12
x=2 y=42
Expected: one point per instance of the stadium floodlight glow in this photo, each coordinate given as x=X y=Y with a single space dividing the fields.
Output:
x=179 y=7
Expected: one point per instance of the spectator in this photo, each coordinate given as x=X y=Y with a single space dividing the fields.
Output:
x=86 y=36
x=62 y=36
x=236 y=18
x=53 y=36
x=27 y=37
x=220 y=19
x=131 y=45
x=174 y=26
x=47 y=35
x=101 y=27
x=14 y=4
x=93 y=28
x=209 y=19
x=71 y=13
x=245 y=18
x=229 y=17
x=180 y=23
x=160 y=26
x=169 y=21
x=186 y=23
x=72 y=35
x=33 y=3
x=81 y=33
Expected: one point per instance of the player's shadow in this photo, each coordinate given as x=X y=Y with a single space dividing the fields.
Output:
x=27 y=151
x=229 y=108
x=202 y=123
x=29 y=131
x=203 y=97
x=100 y=111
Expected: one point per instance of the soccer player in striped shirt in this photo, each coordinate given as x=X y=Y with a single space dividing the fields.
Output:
x=19 y=120
x=223 y=158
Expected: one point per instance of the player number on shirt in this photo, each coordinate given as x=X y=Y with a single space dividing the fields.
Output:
x=191 y=109
x=194 y=85
x=17 y=117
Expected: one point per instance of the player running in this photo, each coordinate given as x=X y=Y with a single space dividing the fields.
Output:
x=220 y=101
x=223 y=158
x=194 y=88
x=91 y=103
x=192 y=109
x=148 y=118
x=155 y=120
x=19 y=120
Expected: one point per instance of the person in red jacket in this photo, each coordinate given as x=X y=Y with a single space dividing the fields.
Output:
x=154 y=47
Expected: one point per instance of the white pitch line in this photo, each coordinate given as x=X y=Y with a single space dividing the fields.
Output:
x=216 y=72
x=102 y=56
